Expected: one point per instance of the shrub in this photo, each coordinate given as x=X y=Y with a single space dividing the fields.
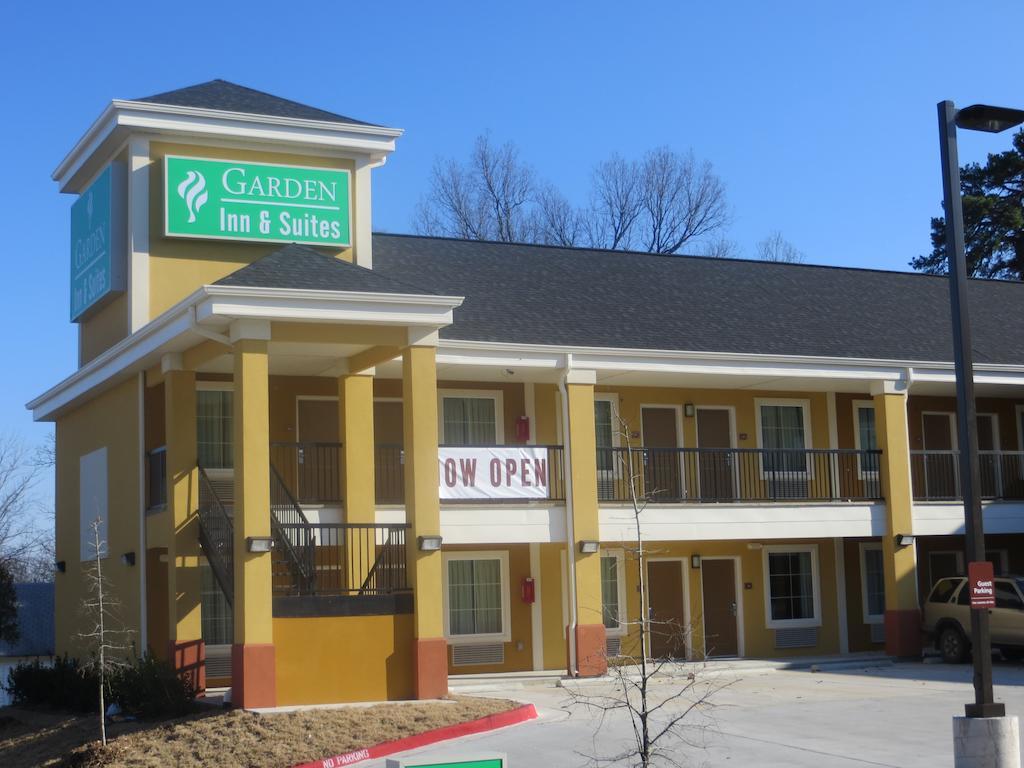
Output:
x=146 y=688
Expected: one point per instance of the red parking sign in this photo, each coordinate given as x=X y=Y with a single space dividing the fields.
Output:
x=981 y=582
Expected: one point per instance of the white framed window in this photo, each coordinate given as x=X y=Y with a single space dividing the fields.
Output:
x=792 y=594
x=471 y=417
x=606 y=432
x=865 y=438
x=215 y=417
x=613 y=592
x=872 y=582
x=476 y=597
x=783 y=427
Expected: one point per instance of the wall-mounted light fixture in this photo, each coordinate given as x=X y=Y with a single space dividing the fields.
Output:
x=61 y=566
x=904 y=540
x=695 y=561
x=259 y=544
x=689 y=410
x=128 y=558
x=588 y=547
x=428 y=543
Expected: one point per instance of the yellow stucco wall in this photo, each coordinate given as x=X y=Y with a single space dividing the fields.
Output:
x=553 y=620
x=178 y=266
x=343 y=658
x=103 y=329
x=112 y=421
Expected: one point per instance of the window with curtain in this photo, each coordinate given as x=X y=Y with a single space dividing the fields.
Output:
x=217 y=620
x=474 y=597
x=791 y=586
x=603 y=429
x=610 y=575
x=470 y=421
x=782 y=430
x=874 y=582
x=867 y=439
x=215 y=429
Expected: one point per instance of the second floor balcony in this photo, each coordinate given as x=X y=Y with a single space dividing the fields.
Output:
x=936 y=475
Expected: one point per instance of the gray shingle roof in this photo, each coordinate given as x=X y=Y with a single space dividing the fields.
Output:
x=230 y=97
x=35 y=620
x=576 y=297
x=301 y=267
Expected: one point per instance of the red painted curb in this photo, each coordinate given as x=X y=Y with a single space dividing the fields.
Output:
x=425 y=739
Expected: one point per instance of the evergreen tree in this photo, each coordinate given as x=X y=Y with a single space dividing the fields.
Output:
x=9 y=632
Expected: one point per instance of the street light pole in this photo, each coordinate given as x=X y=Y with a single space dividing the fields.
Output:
x=970 y=476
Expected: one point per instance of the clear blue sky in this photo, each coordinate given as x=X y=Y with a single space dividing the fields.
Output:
x=819 y=116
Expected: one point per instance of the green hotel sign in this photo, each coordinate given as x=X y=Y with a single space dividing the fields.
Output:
x=226 y=200
x=97 y=242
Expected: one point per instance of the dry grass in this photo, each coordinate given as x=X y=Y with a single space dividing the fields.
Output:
x=229 y=738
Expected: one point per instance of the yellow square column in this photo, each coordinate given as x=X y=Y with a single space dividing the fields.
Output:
x=252 y=655
x=184 y=614
x=423 y=512
x=902 y=610
x=355 y=426
x=589 y=635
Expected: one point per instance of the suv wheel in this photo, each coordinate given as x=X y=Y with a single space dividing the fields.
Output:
x=952 y=645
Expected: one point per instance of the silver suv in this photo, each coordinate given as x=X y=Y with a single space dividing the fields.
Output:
x=947 y=617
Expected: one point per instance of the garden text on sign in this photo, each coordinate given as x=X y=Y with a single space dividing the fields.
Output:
x=493 y=473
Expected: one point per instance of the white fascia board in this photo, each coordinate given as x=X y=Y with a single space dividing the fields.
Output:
x=694 y=522
x=947 y=519
x=126 y=116
x=224 y=303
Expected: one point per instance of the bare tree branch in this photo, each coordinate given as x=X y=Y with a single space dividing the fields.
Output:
x=776 y=248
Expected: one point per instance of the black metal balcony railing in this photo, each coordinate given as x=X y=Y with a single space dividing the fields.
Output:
x=342 y=559
x=312 y=471
x=936 y=475
x=216 y=535
x=156 y=478
x=701 y=475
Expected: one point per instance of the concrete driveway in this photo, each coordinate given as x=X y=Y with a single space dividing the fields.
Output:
x=895 y=715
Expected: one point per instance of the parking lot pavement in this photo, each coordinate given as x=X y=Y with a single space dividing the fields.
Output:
x=897 y=715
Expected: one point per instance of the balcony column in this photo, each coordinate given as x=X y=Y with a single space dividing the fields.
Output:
x=184 y=614
x=902 y=610
x=589 y=635
x=355 y=428
x=252 y=655
x=423 y=513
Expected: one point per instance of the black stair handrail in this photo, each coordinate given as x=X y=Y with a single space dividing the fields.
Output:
x=300 y=556
x=216 y=536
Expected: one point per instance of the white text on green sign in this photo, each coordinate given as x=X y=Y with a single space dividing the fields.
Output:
x=225 y=200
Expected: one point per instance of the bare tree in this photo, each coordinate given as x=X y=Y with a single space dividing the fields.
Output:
x=554 y=220
x=101 y=607
x=486 y=198
x=777 y=248
x=660 y=718
x=719 y=248
x=616 y=202
x=19 y=536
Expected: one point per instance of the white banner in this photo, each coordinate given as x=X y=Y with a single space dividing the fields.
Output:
x=520 y=472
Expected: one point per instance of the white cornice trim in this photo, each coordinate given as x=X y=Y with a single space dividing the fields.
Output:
x=126 y=116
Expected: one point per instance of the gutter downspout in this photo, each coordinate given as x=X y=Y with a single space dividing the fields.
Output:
x=570 y=522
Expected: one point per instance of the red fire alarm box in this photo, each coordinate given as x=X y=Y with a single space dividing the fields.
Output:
x=523 y=429
x=527 y=591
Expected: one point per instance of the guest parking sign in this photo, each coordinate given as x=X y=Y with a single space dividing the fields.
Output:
x=981 y=582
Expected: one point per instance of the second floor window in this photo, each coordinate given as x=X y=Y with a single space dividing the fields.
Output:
x=215 y=429
x=604 y=434
x=867 y=439
x=783 y=432
x=469 y=421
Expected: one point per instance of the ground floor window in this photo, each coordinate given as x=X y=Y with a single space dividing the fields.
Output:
x=613 y=590
x=792 y=593
x=217 y=621
x=476 y=596
x=872 y=581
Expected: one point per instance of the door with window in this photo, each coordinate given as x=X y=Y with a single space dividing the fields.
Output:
x=940 y=464
x=662 y=459
x=316 y=458
x=668 y=633
x=215 y=441
x=611 y=478
x=389 y=439
x=721 y=613
x=715 y=457
x=944 y=564
x=988 y=459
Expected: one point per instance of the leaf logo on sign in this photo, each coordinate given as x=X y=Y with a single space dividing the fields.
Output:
x=193 y=191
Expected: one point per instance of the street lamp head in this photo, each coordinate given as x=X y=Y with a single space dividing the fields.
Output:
x=982 y=117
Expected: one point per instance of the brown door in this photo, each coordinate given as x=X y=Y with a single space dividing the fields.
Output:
x=940 y=465
x=316 y=457
x=662 y=475
x=388 y=434
x=718 y=580
x=668 y=625
x=715 y=457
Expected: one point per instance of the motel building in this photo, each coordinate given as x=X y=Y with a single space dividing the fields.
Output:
x=332 y=465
